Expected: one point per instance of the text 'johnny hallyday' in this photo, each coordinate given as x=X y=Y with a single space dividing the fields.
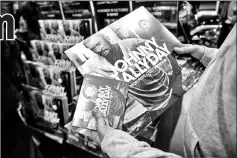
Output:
x=139 y=61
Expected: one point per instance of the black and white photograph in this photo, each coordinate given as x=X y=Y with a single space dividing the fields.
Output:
x=118 y=79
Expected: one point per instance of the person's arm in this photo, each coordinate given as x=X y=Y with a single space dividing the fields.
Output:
x=202 y=53
x=117 y=143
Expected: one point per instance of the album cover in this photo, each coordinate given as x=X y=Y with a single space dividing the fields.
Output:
x=141 y=54
x=39 y=75
x=48 y=52
x=34 y=74
x=66 y=78
x=65 y=31
x=108 y=95
x=46 y=111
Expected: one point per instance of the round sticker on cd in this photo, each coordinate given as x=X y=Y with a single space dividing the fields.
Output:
x=89 y=91
x=144 y=24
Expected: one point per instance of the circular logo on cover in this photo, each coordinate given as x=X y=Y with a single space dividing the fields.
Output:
x=89 y=91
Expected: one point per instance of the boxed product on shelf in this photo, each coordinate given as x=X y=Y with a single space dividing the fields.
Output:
x=47 y=109
x=107 y=12
x=142 y=54
x=34 y=74
x=65 y=31
x=76 y=9
x=67 y=77
x=49 y=10
x=59 y=74
x=108 y=95
x=48 y=52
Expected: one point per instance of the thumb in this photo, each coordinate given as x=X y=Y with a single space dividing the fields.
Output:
x=101 y=125
x=186 y=49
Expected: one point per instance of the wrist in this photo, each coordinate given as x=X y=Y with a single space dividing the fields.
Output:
x=208 y=55
x=203 y=53
x=106 y=134
x=199 y=52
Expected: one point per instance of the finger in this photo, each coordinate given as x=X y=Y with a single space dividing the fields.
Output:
x=101 y=128
x=100 y=123
x=99 y=119
x=96 y=113
x=186 y=49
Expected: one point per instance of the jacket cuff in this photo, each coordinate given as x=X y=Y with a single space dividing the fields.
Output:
x=115 y=134
x=208 y=55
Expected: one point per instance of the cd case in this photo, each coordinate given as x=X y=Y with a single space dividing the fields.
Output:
x=39 y=75
x=46 y=111
x=108 y=95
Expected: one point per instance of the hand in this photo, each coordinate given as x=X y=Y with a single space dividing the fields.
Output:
x=196 y=51
x=101 y=124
